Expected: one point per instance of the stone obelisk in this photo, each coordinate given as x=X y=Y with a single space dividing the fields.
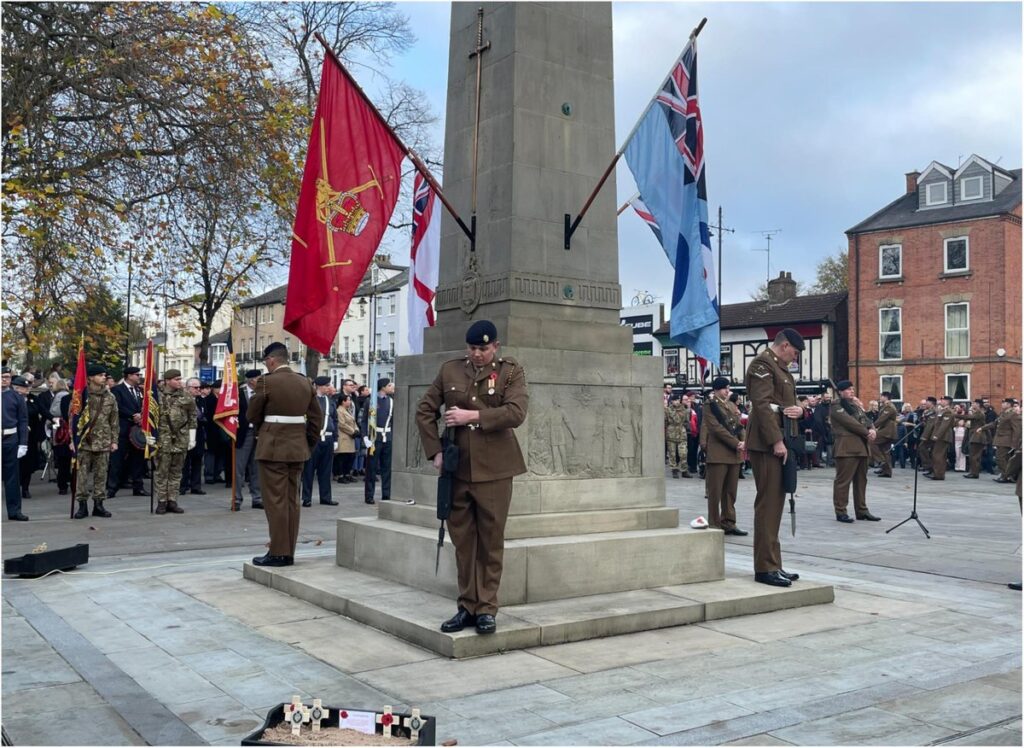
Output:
x=590 y=516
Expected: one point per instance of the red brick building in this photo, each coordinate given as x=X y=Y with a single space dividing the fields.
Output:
x=935 y=287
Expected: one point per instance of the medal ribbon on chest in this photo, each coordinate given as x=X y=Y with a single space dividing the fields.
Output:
x=492 y=380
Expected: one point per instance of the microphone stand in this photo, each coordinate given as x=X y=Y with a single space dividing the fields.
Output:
x=917 y=467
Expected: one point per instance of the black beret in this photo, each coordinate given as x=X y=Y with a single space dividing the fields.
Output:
x=19 y=381
x=322 y=381
x=217 y=383
x=481 y=332
x=131 y=370
x=382 y=383
x=719 y=383
x=95 y=369
x=253 y=373
x=843 y=384
x=795 y=339
x=274 y=348
x=205 y=383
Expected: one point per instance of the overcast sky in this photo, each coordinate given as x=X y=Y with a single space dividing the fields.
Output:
x=813 y=112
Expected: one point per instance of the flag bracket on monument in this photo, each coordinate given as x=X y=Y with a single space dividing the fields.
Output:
x=571 y=224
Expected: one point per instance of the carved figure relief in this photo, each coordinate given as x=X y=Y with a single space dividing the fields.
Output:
x=584 y=432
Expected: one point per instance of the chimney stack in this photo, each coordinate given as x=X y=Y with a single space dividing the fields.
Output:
x=912 y=181
x=781 y=289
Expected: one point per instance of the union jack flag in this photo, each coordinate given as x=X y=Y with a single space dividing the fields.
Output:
x=645 y=213
x=425 y=257
x=678 y=100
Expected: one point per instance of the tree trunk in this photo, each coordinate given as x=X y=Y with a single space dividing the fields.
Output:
x=312 y=363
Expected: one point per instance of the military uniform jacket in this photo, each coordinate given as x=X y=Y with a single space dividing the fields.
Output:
x=102 y=423
x=885 y=424
x=677 y=422
x=976 y=422
x=928 y=417
x=177 y=416
x=283 y=392
x=769 y=384
x=850 y=430
x=15 y=416
x=1007 y=429
x=943 y=431
x=719 y=441
x=488 y=449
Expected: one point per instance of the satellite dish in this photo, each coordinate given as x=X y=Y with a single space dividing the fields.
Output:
x=1000 y=352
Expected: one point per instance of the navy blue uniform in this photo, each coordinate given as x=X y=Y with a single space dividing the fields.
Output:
x=15 y=434
x=320 y=462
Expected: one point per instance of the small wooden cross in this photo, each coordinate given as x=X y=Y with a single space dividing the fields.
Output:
x=386 y=720
x=296 y=714
x=414 y=723
x=318 y=713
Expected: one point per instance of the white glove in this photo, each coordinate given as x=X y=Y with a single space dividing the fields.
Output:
x=191 y=438
x=22 y=450
x=366 y=442
x=150 y=440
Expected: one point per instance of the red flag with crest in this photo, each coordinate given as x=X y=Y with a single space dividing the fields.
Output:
x=349 y=189
x=226 y=413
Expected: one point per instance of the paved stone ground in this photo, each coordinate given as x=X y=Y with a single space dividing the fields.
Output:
x=159 y=640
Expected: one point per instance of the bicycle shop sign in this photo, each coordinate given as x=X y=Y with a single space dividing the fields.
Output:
x=642 y=324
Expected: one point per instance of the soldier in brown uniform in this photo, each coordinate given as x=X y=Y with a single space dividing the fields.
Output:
x=485 y=398
x=854 y=433
x=942 y=436
x=885 y=434
x=772 y=395
x=98 y=427
x=1007 y=432
x=721 y=437
x=924 y=447
x=977 y=437
x=287 y=419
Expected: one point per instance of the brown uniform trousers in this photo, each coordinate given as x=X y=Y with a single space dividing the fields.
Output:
x=1007 y=435
x=769 y=384
x=851 y=451
x=282 y=448
x=489 y=456
x=941 y=438
x=977 y=441
x=885 y=426
x=722 y=473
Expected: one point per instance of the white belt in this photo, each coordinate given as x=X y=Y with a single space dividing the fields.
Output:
x=284 y=419
x=775 y=408
x=9 y=432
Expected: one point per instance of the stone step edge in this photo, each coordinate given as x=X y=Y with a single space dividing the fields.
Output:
x=518 y=633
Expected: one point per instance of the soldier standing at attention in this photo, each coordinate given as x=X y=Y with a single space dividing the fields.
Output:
x=1007 y=428
x=287 y=419
x=978 y=438
x=485 y=398
x=721 y=436
x=15 y=446
x=854 y=434
x=941 y=437
x=177 y=429
x=97 y=427
x=318 y=465
x=924 y=447
x=885 y=430
x=677 y=421
x=772 y=394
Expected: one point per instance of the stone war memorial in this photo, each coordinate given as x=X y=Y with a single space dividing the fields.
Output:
x=591 y=548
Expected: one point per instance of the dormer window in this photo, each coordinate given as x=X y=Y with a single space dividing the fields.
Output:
x=972 y=188
x=936 y=193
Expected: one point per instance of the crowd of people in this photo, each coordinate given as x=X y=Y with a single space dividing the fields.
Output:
x=190 y=449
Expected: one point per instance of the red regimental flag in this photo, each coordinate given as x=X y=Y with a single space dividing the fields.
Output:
x=226 y=414
x=77 y=395
x=349 y=189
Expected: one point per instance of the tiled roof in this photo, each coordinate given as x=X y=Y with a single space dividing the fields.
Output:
x=812 y=308
x=277 y=295
x=903 y=211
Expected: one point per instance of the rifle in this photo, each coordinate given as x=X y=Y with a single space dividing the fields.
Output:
x=794 y=442
x=445 y=487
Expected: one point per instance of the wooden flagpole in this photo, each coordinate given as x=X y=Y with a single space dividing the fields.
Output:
x=570 y=224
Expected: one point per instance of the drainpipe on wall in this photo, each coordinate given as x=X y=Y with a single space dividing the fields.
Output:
x=856 y=310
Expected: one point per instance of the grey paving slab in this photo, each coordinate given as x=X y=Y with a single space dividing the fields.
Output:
x=610 y=731
x=960 y=707
x=590 y=685
x=663 y=720
x=219 y=719
x=991 y=736
x=598 y=707
x=263 y=606
x=533 y=696
x=1010 y=680
x=36 y=701
x=221 y=664
x=762 y=739
x=441 y=679
x=783 y=624
x=21 y=673
x=507 y=724
x=93 y=725
x=868 y=726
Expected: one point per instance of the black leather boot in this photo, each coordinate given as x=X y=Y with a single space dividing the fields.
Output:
x=98 y=510
x=83 y=510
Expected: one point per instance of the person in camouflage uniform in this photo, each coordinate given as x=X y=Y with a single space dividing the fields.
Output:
x=177 y=435
x=98 y=429
x=677 y=423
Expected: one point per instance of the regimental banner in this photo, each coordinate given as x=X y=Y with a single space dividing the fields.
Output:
x=349 y=189
x=226 y=413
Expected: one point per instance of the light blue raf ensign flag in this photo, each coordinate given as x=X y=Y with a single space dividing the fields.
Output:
x=666 y=156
